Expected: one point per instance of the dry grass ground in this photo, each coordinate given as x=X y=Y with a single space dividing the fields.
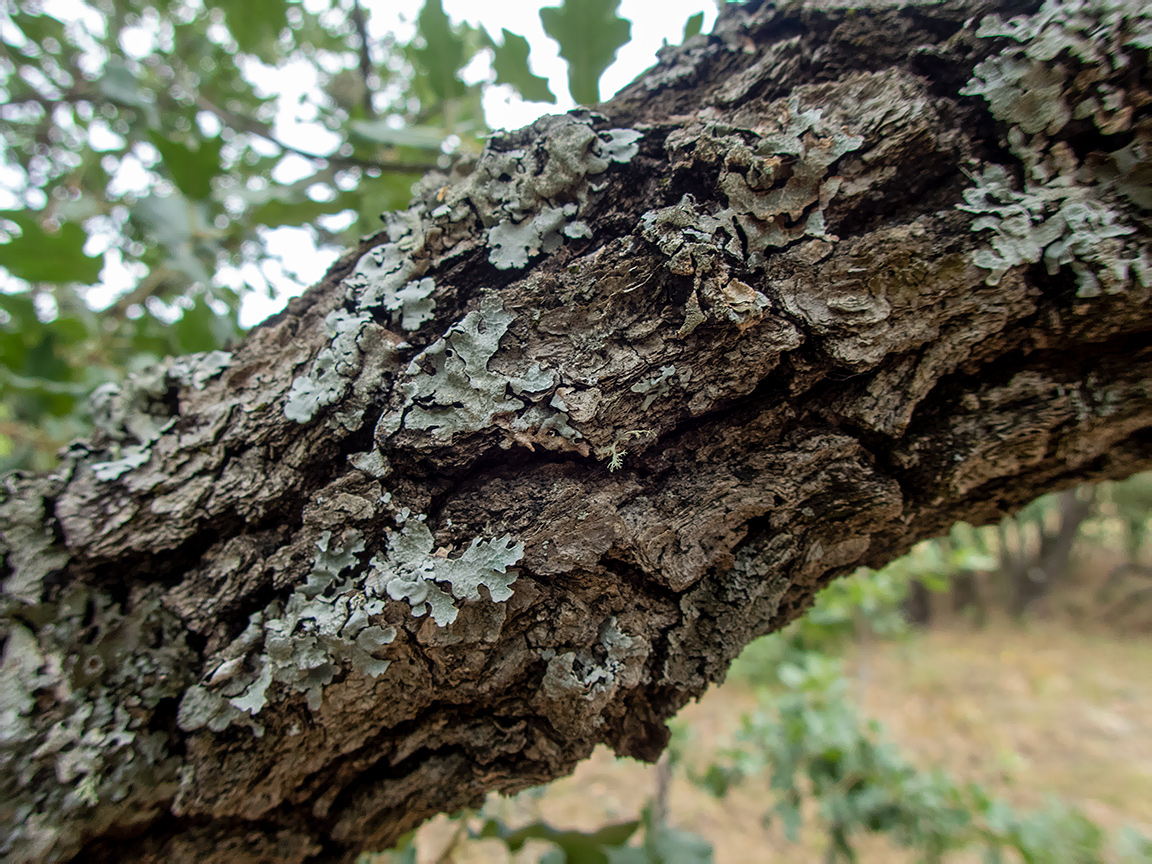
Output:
x=1029 y=713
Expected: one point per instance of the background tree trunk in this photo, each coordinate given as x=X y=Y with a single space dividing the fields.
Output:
x=597 y=411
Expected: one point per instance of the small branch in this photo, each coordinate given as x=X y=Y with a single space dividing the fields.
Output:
x=660 y=797
x=252 y=127
x=365 y=57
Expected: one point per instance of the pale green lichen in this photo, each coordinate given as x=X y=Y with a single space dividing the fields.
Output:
x=450 y=389
x=324 y=626
x=778 y=186
x=1068 y=60
x=614 y=453
x=28 y=549
x=327 y=627
x=134 y=413
x=514 y=243
x=196 y=370
x=80 y=680
x=414 y=304
x=382 y=278
x=656 y=387
x=583 y=674
x=385 y=278
x=521 y=188
x=329 y=377
x=1059 y=224
x=410 y=572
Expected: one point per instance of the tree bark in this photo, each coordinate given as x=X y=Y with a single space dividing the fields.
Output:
x=526 y=470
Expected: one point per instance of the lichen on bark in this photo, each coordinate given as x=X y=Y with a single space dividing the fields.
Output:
x=444 y=525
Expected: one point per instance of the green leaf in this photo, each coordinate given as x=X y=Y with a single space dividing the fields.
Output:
x=201 y=329
x=119 y=84
x=671 y=846
x=191 y=170
x=577 y=847
x=443 y=54
x=589 y=33
x=38 y=28
x=381 y=132
x=693 y=25
x=39 y=256
x=254 y=23
x=166 y=218
x=510 y=61
x=22 y=311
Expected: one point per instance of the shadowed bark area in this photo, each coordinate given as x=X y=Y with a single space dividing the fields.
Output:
x=529 y=468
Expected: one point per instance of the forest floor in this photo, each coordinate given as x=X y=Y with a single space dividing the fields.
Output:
x=1031 y=712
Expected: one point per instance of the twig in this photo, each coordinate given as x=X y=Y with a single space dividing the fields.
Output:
x=449 y=853
x=660 y=797
x=254 y=128
x=365 y=57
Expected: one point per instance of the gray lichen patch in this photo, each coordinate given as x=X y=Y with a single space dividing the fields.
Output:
x=1059 y=224
x=78 y=689
x=656 y=387
x=410 y=572
x=594 y=677
x=780 y=187
x=451 y=390
x=196 y=370
x=777 y=181
x=690 y=238
x=28 y=547
x=333 y=623
x=328 y=378
x=514 y=243
x=338 y=367
x=324 y=628
x=1067 y=61
x=387 y=278
x=530 y=199
x=134 y=413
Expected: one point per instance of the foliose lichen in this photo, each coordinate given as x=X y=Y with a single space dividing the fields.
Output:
x=779 y=187
x=778 y=184
x=323 y=627
x=331 y=623
x=656 y=387
x=388 y=277
x=449 y=388
x=531 y=198
x=410 y=571
x=350 y=370
x=80 y=680
x=28 y=548
x=329 y=376
x=134 y=413
x=584 y=674
x=1071 y=60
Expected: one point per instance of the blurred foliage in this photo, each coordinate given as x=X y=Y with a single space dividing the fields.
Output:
x=147 y=139
x=608 y=844
x=817 y=756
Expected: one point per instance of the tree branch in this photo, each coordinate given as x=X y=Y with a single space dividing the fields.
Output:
x=374 y=564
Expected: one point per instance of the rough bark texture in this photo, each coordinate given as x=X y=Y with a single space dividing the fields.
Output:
x=526 y=471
